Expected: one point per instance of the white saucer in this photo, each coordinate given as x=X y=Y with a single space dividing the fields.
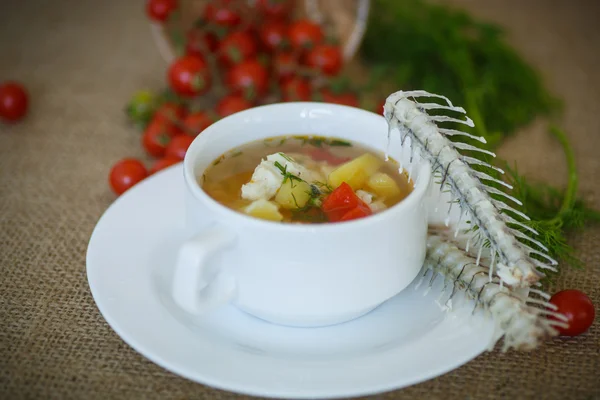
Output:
x=407 y=340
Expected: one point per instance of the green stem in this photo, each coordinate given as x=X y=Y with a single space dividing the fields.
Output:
x=572 y=184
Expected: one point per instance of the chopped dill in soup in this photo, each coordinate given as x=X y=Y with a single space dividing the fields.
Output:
x=305 y=179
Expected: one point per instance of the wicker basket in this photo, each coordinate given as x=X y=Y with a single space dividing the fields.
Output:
x=346 y=19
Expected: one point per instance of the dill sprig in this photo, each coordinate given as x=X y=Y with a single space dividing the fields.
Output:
x=435 y=48
x=553 y=213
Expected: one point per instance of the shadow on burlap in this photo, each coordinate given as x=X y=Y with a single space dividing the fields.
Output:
x=82 y=61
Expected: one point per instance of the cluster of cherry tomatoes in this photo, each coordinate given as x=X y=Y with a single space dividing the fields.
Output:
x=14 y=101
x=235 y=56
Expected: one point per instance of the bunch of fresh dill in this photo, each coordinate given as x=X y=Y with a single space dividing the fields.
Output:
x=431 y=47
x=434 y=48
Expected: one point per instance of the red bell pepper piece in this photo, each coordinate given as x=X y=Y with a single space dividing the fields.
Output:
x=360 y=211
x=342 y=201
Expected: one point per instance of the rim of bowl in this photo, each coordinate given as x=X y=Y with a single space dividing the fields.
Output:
x=417 y=194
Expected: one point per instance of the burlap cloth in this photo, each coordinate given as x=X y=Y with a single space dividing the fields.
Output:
x=82 y=60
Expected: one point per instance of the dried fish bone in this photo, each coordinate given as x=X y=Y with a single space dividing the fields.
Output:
x=523 y=320
x=514 y=262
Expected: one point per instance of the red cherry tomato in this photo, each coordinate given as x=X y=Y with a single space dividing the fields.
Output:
x=126 y=173
x=199 y=42
x=189 y=76
x=163 y=163
x=326 y=59
x=232 y=104
x=578 y=309
x=237 y=47
x=305 y=34
x=273 y=35
x=276 y=8
x=295 y=89
x=178 y=146
x=197 y=122
x=249 y=78
x=14 y=101
x=157 y=136
x=169 y=112
x=159 y=10
x=284 y=65
x=346 y=99
x=221 y=14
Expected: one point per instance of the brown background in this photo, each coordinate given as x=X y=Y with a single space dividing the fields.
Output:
x=82 y=59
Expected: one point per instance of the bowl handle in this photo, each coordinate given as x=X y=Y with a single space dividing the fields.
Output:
x=199 y=285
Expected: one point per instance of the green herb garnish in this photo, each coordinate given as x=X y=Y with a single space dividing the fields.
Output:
x=320 y=141
x=553 y=213
x=287 y=175
x=441 y=50
x=338 y=142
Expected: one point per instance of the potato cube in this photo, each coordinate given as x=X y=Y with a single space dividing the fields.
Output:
x=383 y=185
x=355 y=172
x=293 y=194
x=264 y=209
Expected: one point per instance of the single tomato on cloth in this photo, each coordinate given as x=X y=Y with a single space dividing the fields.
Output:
x=577 y=307
x=344 y=205
x=126 y=173
x=14 y=101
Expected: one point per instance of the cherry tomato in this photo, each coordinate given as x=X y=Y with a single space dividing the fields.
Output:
x=305 y=34
x=198 y=42
x=157 y=136
x=170 y=112
x=295 y=89
x=159 y=10
x=126 y=173
x=577 y=307
x=178 y=146
x=189 y=76
x=273 y=35
x=232 y=104
x=325 y=58
x=14 y=101
x=221 y=14
x=276 y=8
x=249 y=78
x=141 y=107
x=197 y=122
x=163 y=163
x=284 y=65
x=346 y=99
x=237 y=47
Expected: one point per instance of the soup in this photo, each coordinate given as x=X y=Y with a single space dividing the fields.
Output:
x=305 y=179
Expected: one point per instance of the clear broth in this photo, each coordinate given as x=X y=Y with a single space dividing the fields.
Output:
x=224 y=178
